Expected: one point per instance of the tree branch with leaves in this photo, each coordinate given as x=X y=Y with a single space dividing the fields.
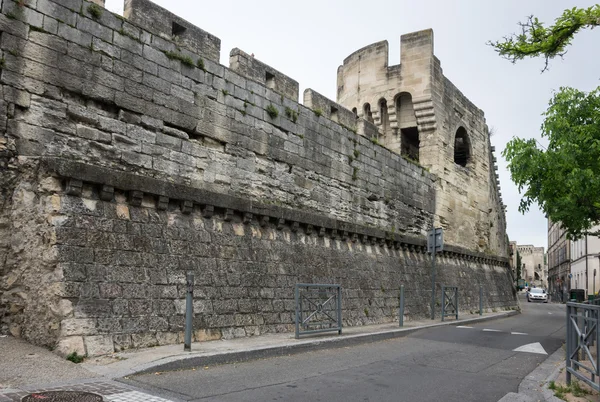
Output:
x=536 y=40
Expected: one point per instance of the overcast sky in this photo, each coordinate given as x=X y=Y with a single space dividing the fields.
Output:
x=308 y=39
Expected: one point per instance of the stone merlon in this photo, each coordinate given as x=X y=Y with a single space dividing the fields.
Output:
x=246 y=65
x=168 y=25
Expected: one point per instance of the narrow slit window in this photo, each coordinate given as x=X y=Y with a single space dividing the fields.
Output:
x=333 y=115
x=178 y=29
x=270 y=80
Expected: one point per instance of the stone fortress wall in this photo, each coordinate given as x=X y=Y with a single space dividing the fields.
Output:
x=129 y=157
x=420 y=114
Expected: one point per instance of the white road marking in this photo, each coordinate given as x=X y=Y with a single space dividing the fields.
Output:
x=518 y=333
x=491 y=330
x=462 y=326
x=532 y=348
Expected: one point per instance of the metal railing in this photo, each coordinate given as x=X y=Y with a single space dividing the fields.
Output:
x=583 y=338
x=449 y=302
x=318 y=308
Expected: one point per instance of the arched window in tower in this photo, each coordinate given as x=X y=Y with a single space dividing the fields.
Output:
x=407 y=125
x=385 y=119
x=462 y=152
x=355 y=112
x=368 y=115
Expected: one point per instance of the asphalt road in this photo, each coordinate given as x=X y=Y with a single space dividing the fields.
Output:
x=475 y=363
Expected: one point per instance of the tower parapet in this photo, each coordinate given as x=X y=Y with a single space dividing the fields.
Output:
x=421 y=115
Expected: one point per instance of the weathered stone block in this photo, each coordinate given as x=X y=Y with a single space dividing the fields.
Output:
x=71 y=344
x=98 y=345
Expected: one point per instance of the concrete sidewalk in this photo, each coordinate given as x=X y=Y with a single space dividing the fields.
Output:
x=25 y=368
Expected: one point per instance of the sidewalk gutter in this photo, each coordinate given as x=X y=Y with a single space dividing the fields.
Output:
x=187 y=361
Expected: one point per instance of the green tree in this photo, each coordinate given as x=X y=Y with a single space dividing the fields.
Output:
x=564 y=178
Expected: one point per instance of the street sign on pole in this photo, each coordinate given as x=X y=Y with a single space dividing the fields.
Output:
x=435 y=244
x=435 y=240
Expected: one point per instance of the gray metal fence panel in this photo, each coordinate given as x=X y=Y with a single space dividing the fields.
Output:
x=318 y=308
x=449 y=302
x=583 y=338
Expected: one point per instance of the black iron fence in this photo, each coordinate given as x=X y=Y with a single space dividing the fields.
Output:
x=583 y=338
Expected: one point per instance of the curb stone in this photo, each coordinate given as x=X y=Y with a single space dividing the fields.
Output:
x=534 y=387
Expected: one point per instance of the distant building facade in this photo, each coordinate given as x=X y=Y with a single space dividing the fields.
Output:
x=532 y=265
x=584 y=264
x=559 y=260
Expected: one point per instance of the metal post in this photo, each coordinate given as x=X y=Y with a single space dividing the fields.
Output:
x=433 y=283
x=569 y=344
x=297 y=296
x=339 y=309
x=456 y=302
x=480 y=300
x=401 y=311
x=443 y=302
x=189 y=312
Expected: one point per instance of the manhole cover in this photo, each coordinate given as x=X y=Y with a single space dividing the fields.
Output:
x=62 y=396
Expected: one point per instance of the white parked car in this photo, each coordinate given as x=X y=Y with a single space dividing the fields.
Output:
x=537 y=294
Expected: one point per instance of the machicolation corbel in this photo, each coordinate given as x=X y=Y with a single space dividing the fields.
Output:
x=162 y=203
x=208 y=211
x=136 y=198
x=107 y=193
x=74 y=187
x=187 y=207
x=280 y=224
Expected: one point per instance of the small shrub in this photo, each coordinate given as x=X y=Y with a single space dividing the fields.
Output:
x=187 y=60
x=14 y=52
x=200 y=64
x=95 y=11
x=366 y=311
x=318 y=112
x=272 y=111
x=552 y=385
x=225 y=92
x=2 y=63
x=291 y=114
x=356 y=153
x=350 y=159
x=11 y=16
x=75 y=358
x=355 y=173
x=577 y=391
x=36 y=29
x=374 y=140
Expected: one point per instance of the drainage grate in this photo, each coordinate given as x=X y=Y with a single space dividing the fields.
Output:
x=62 y=396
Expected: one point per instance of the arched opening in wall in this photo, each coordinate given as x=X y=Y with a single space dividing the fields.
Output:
x=385 y=118
x=462 y=152
x=537 y=276
x=407 y=126
x=355 y=111
x=368 y=115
